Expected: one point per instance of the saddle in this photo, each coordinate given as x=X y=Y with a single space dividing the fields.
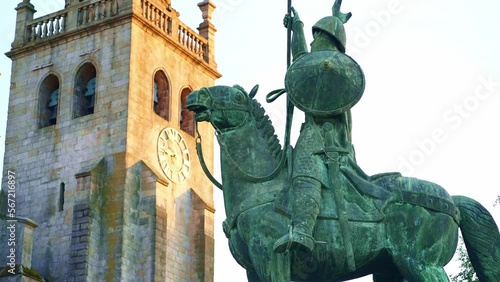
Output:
x=363 y=199
x=366 y=198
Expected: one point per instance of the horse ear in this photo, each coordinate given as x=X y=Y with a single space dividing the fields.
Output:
x=254 y=90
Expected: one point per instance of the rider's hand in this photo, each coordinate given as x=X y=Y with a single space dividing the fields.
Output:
x=291 y=19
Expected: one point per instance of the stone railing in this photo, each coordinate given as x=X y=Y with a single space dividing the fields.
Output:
x=192 y=41
x=157 y=17
x=97 y=10
x=46 y=26
x=59 y=22
x=168 y=23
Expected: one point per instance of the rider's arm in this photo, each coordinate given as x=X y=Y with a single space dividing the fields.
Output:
x=298 y=45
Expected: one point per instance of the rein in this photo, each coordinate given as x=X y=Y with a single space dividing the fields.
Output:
x=202 y=160
x=252 y=178
x=287 y=150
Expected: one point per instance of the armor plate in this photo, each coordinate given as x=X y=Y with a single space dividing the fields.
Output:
x=325 y=83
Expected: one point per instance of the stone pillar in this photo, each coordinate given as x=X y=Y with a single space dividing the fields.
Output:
x=72 y=18
x=25 y=11
x=16 y=258
x=207 y=30
x=209 y=243
x=27 y=227
x=72 y=2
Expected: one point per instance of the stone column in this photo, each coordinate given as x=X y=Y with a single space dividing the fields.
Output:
x=27 y=228
x=16 y=257
x=207 y=30
x=25 y=11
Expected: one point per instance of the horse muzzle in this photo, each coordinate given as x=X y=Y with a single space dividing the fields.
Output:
x=198 y=105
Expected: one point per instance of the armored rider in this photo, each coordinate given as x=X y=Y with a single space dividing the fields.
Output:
x=325 y=84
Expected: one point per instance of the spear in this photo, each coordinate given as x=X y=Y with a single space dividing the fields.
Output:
x=289 y=37
x=289 y=105
x=273 y=95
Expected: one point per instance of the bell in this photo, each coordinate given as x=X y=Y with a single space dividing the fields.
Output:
x=90 y=88
x=53 y=116
x=53 y=98
x=90 y=108
x=155 y=93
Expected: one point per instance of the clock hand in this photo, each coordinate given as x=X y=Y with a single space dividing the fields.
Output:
x=169 y=152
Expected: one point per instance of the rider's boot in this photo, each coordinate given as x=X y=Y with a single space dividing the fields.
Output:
x=305 y=209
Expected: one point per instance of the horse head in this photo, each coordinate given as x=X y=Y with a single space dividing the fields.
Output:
x=244 y=131
x=225 y=107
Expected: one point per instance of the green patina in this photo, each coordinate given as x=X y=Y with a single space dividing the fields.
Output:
x=310 y=213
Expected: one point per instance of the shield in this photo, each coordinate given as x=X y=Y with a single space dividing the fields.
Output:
x=325 y=83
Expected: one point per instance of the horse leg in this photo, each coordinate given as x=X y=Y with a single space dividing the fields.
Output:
x=281 y=265
x=269 y=266
x=252 y=276
x=415 y=272
x=419 y=249
x=388 y=277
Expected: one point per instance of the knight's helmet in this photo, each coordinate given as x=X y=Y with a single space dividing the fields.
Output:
x=334 y=25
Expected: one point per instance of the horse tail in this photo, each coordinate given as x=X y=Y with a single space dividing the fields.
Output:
x=481 y=238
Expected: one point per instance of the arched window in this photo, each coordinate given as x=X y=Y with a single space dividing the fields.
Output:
x=48 y=100
x=85 y=91
x=161 y=95
x=186 y=116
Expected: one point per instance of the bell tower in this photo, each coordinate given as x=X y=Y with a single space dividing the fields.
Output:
x=107 y=183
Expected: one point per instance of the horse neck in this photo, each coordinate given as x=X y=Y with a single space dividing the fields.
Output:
x=247 y=149
x=244 y=153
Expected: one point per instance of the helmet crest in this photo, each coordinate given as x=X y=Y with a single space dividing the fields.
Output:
x=334 y=25
x=337 y=13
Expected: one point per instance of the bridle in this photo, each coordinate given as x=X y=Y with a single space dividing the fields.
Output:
x=224 y=105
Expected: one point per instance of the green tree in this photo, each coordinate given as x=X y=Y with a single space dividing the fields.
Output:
x=467 y=273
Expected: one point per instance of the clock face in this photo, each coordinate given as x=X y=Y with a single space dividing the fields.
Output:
x=173 y=155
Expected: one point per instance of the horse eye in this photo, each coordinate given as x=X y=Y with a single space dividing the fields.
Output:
x=239 y=98
x=203 y=94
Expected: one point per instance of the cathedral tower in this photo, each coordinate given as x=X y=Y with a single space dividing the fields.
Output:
x=107 y=183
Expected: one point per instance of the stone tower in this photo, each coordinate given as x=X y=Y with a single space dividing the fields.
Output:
x=100 y=149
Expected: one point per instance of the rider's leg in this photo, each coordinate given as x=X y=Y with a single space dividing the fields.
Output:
x=304 y=210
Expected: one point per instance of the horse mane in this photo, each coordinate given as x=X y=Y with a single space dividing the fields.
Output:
x=266 y=129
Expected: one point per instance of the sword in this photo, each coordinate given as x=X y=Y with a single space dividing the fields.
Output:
x=338 y=186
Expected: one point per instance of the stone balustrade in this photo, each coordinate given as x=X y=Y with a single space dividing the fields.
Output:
x=157 y=17
x=192 y=41
x=166 y=21
x=46 y=26
x=97 y=10
x=57 y=23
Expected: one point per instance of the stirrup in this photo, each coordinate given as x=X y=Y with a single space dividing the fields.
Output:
x=293 y=239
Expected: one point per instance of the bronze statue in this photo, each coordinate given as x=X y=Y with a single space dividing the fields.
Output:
x=324 y=84
x=310 y=213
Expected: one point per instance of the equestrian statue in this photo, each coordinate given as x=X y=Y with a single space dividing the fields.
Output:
x=310 y=213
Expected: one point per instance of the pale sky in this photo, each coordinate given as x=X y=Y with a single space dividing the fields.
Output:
x=431 y=107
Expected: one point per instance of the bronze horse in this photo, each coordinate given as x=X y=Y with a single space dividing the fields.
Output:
x=410 y=237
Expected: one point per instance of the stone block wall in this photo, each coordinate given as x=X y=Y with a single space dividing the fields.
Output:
x=105 y=210
x=79 y=243
x=44 y=158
